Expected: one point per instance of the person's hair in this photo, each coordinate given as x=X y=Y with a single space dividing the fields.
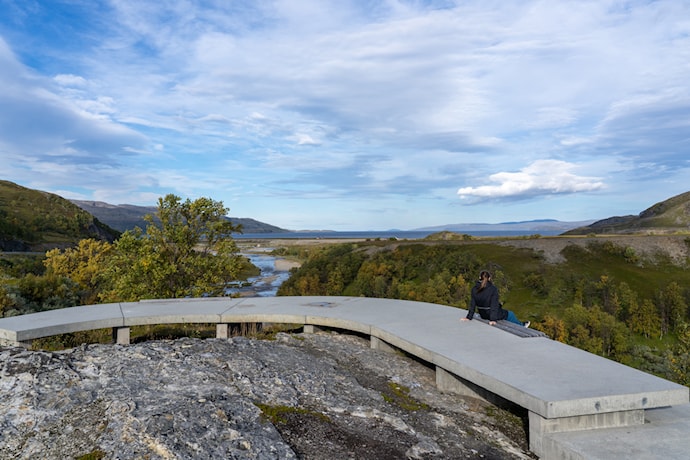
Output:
x=484 y=278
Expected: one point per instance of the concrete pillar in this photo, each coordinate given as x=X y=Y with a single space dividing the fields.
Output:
x=311 y=329
x=16 y=343
x=121 y=335
x=378 y=344
x=222 y=330
x=540 y=426
x=451 y=383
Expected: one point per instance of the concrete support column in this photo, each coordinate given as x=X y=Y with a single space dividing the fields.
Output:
x=121 y=335
x=540 y=426
x=222 y=330
x=451 y=383
x=311 y=329
x=378 y=344
x=16 y=343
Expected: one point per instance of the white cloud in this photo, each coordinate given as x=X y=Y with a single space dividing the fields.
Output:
x=543 y=177
x=377 y=100
x=305 y=139
x=70 y=80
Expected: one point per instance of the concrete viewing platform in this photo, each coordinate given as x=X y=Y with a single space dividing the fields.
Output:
x=580 y=406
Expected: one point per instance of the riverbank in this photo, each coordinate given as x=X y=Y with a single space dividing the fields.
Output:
x=285 y=265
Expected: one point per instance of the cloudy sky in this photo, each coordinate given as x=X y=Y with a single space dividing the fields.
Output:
x=351 y=115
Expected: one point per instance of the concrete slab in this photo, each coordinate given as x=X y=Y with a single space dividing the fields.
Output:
x=53 y=322
x=664 y=435
x=176 y=311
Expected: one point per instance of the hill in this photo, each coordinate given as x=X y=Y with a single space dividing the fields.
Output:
x=127 y=216
x=547 y=226
x=669 y=216
x=32 y=220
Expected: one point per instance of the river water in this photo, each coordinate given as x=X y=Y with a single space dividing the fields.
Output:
x=266 y=284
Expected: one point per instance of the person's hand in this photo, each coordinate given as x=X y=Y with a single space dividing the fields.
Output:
x=492 y=323
x=464 y=319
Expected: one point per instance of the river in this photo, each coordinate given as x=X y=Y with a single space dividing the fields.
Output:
x=274 y=272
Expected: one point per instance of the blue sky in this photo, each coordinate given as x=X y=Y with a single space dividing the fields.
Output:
x=351 y=115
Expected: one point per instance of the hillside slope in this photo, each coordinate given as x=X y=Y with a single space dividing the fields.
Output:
x=32 y=220
x=126 y=216
x=669 y=216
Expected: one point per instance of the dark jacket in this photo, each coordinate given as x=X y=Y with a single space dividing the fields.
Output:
x=486 y=303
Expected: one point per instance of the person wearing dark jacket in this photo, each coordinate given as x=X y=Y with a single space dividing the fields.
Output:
x=484 y=299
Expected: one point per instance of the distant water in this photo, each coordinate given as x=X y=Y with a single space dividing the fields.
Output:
x=266 y=284
x=384 y=235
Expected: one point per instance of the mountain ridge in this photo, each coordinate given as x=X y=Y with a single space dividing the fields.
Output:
x=536 y=225
x=124 y=217
x=668 y=216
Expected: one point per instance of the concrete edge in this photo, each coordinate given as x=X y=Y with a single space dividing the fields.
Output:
x=338 y=323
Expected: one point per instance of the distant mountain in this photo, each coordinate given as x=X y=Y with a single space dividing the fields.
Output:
x=536 y=226
x=32 y=220
x=127 y=216
x=668 y=216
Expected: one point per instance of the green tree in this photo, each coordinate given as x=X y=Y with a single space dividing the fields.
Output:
x=602 y=293
x=596 y=331
x=680 y=356
x=674 y=305
x=6 y=301
x=46 y=292
x=85 y=265
x=644 y=319
x=626 y=299
x=189 y=254
x=554 y=328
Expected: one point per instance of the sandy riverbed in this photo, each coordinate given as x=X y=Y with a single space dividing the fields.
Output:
x=284 y=265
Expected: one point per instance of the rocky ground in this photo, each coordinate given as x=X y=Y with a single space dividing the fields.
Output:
x=309 y=396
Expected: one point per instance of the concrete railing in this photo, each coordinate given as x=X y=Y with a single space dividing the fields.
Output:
x=563 y=389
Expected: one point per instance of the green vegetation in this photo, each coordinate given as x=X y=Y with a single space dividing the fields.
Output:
x=280 y=414
x=95 y=455
x=603 y=298
x=32 y=220
x=400 y=396
x=189 y=254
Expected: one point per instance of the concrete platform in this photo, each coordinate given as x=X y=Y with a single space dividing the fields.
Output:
x=580 y=405
x=664 y=435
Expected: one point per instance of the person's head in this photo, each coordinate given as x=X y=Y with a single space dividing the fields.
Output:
x=484 y=278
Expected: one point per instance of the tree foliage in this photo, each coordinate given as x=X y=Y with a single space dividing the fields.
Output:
x=84 y=264
x=414 y=272
x=191 y=254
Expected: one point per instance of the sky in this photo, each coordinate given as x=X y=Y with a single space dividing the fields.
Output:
x=351 y=115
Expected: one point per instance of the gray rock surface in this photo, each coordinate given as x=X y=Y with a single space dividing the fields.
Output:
x=311 y=396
